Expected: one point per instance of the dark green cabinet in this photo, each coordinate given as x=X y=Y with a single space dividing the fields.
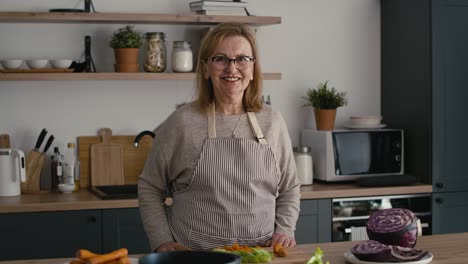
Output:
x=424 y=91
x=314 y=223
x=123 y=228
x=60 y=234
x=451 y=211
x=49 y=235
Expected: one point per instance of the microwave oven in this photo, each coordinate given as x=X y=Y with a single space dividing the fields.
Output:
x=346 y=155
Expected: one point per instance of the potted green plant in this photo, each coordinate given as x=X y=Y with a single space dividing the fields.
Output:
x=126 y=42
x=325 y=100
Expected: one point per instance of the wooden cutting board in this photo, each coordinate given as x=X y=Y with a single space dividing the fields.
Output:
x=106 y=161
x=133 y=158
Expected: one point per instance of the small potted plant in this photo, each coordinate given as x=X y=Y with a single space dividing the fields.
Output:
x=126 y=43
x=325 y=100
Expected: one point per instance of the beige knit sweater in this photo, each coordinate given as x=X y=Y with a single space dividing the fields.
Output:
x=176 y=151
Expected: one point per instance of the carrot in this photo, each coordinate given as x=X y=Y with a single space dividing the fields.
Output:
x=84 y=254
x=100 y=259
x=77 y=261
x=279 y=250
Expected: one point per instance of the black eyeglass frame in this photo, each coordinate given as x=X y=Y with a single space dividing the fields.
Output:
x=227 y=61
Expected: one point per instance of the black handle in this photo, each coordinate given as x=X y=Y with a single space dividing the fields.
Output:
x=40 y=139
x=139 y=136
x=92 y=219
x=439 y=185
x=49 y=142
x=439 y=200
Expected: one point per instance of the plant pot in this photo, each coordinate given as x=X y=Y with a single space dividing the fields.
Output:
x=126 y=67
x=325 y=118
x=126 y=55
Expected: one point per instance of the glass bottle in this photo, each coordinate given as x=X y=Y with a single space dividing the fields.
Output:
x=56 y=170
x=155 y=60
x=69 y=165
x=182 y=56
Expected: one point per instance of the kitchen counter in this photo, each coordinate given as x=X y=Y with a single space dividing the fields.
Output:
x=84 y=200
x=447 y=249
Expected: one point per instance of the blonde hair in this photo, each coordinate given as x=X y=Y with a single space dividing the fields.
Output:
x=251 y=101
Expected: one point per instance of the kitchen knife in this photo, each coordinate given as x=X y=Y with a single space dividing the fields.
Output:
x=48 y=143
x=40 y=139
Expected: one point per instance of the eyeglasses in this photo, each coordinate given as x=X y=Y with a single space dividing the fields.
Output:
x=221 y=62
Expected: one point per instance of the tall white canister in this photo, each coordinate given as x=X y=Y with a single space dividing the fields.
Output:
x=304 y=164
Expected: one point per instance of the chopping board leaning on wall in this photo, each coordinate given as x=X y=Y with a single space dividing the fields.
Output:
x=133 y=158
x=106 y=161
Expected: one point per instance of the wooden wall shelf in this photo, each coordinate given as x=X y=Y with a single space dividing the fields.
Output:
x=108 y=76
x=132 y=18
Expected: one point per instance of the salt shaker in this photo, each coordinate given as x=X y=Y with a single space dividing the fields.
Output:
x=182 y=56
x=303 y=159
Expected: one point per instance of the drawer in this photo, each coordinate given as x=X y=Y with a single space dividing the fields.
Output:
x=309 y=207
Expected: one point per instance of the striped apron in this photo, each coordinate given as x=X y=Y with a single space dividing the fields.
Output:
x=231 y=198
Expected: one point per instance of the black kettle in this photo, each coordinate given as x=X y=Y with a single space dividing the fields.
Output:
x=140 y=135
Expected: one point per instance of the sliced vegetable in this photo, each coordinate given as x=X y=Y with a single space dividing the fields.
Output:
x=403 y=254
x=371 y=250
x=395 y=226
x=248 y=254
x=317 y=257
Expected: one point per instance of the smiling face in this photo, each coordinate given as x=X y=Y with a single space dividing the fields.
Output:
x=229 y=83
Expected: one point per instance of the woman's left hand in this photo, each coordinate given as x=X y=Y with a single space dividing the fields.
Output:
x=282 y=239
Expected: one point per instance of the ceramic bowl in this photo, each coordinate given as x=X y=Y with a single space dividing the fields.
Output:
x=37 y=63
x=66 y=188
x=61 y=64
x=365 y=120
x=12 y=64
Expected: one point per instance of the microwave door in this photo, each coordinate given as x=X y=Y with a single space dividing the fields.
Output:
x=352 y=153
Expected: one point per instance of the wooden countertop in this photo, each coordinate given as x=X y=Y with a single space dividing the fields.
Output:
x=446 y=249
x=84 y=200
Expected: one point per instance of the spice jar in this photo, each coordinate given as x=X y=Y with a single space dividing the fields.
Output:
x=182 y=56
x=303 y=159
x=155 y=52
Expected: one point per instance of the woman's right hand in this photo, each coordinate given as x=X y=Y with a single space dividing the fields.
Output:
x=172 y=246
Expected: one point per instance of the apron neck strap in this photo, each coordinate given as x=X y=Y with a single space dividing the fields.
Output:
x=256 y=128
x=212 y=121
x=257 y=131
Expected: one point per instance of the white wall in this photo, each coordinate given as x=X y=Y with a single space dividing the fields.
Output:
x=318 y=40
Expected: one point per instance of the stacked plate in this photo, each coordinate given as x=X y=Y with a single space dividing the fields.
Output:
x=365 y=122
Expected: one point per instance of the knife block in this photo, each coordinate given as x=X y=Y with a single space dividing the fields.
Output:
x=34 y=162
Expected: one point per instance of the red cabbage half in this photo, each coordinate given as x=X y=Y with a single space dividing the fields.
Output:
x=395 y=226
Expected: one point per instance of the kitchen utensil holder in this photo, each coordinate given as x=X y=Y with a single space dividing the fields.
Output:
x=34 y=164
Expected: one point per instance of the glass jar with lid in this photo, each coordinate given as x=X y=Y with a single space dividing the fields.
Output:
x=155 y=60
x=182 y=56
x=303 y=159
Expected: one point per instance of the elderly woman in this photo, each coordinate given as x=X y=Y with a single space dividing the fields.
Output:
x=225 y=159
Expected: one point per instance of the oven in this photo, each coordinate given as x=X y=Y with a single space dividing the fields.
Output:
x=350 y=214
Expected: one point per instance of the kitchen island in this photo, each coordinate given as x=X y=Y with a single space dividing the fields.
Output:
x=447 y=249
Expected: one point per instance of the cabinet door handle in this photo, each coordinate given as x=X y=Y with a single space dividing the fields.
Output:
x=439 y=200
x=439 y=185
x=92 y=219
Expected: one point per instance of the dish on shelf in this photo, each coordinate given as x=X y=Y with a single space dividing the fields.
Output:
x=12 y=63
x=366 y=126
x=349 y=257
x=370 y=120
x=61 y=63
x=37 y=63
